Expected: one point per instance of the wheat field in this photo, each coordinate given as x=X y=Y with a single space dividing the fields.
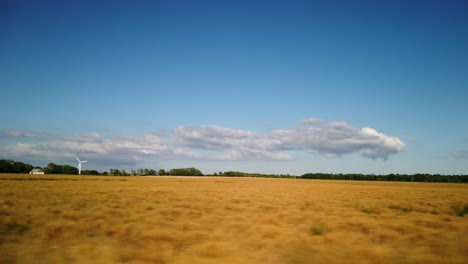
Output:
x=83 y=219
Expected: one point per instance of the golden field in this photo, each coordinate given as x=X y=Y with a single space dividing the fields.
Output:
x=84 y=219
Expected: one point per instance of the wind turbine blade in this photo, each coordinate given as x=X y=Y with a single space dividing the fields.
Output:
x=77 y=159
x=84 y=161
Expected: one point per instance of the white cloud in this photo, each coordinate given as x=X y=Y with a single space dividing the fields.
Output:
x=14 y=133
x=329 y=139
x=187 y=154
x=125 y=151
x=380 y=145
x=253 y=154
x=210 y=137
x=239 y=144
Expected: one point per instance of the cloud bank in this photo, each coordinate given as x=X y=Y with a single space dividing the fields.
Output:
x=332 y=139
x=127 y=151
x=329 y=139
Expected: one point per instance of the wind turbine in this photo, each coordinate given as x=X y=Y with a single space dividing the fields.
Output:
x=79 y=164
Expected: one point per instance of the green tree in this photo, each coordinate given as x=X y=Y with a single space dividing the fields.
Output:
x=186 y=172
x=67 y=169
x=19 y=167
x=115 y=172
x=6 y=166
x=52 y=168
x=89 y=172
x=11 y=166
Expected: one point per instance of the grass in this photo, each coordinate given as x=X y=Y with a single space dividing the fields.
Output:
x=460 y=211
x=317 y=231
x=401 y=208
x=306 y=206
x=16 y=229
x=368 y=211
x=90 y=219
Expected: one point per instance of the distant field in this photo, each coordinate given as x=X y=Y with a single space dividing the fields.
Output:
x=84 y=219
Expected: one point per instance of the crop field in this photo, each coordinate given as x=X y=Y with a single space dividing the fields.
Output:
x=84 y=219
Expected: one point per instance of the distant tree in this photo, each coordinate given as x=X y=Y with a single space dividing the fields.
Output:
x=52 y=168
x=19 y=167
x=186 y=172
x=115 y=172
x=28 y=168
x=145 y=171
x=161 y=172
x=194 y=172
x=89 y=172
x=10 y=166
x=234 y=174
x=67 y=169
x=6 y=166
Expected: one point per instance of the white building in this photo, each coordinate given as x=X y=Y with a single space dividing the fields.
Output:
x=36 y=171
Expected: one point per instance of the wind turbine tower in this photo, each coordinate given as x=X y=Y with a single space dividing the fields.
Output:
x=79 y=164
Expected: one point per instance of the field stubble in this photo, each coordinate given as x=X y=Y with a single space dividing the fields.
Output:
x=85 y=219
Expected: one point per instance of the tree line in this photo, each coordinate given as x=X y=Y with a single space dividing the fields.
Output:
x=151 y=172
x=418 y=177
x=10 y=166
x=247 y=174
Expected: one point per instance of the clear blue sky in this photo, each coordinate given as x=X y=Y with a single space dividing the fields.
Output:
x=257 y=86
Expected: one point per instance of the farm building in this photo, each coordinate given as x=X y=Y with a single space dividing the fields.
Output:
x=36 y=171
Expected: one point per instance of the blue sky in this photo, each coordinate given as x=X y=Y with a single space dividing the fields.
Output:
x=257 y=86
